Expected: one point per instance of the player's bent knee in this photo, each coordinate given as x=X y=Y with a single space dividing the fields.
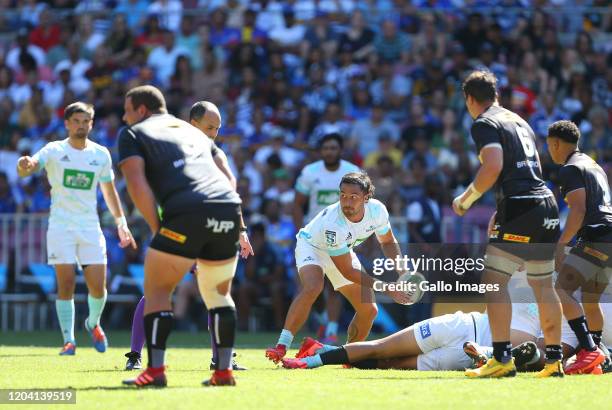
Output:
x=209 y=279
x=368 y=310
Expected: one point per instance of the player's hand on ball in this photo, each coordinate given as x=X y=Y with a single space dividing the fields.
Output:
x=457 y=207
x=26 y=163
x=245 y=245
x=125 y=237
x=399 y=297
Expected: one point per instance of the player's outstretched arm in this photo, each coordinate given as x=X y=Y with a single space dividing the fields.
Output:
x=492 y=157
x=133 y=170
x=111 y=197
x=26 y=166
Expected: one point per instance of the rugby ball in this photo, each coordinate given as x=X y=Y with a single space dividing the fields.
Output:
x=417 y=293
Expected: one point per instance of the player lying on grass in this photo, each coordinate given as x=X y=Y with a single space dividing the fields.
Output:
x=432 y=344
x=324 y=248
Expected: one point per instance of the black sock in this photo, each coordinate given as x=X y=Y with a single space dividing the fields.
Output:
x=553 y=353
x=222 y=326
x=596 y=335
x=502 y=351
x=336 y=356
x=157 y=329
x=366 y=364
x=580 y=328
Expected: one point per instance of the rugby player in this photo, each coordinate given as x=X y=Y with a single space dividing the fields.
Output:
x=526 y=223
x=317 y=187
x=167 y=162
x=206 y=117
x=324 y=248
x=75 y=166
x=584 y=186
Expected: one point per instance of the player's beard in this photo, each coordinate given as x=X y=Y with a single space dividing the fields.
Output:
x=333 y=163
x=80 y=134
x=348 y=211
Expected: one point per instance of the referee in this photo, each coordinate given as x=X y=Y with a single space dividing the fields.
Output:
x=166 y=161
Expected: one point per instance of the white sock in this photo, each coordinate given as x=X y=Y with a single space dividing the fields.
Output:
x=285 y=338
x=65 y=315
x=96 y=307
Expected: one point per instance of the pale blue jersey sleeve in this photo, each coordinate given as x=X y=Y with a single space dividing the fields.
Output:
x=107 y=174
x=382 y=219
x=43 y=155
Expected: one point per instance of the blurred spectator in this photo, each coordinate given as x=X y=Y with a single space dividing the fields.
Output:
x=547 y=113
x=47 y=33
x=77 y=66
x=162 y=59
x=289 y=35
x=134 y=12
x=367 y=131
x=16 y=56
x=8 y=197
x=386 y=147
x=358 y=39
x=424 y=215
x=120 y=41
x=263 y=278
x=392 y=45
x=169 y=13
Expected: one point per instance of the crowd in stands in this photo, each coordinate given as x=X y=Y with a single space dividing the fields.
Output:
x=385 y=74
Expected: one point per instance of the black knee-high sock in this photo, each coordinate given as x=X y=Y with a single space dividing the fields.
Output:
x=157 y=329
x=222 y=324
x=581 y=329
x=596 y=335
x=336 y=356
x=366 y=364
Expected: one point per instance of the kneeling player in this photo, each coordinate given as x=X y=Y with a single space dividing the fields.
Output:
x=324 y=248
x=585 y=188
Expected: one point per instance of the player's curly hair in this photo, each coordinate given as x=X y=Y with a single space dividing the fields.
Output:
x=362 y=180
x=564 y=130
x=481 y=85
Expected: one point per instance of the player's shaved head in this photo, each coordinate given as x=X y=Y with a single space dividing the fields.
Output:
x=205 y=116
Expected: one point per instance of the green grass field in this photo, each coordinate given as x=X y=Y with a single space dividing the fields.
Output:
x=30 y=360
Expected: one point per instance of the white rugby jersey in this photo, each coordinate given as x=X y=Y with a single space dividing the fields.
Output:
x=321 y=185
x=332 y=232
x=74 y=176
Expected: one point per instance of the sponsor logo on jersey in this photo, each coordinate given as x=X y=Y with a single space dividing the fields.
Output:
x=327 y=196
x=76 y=179
x=308 y=259
x=370 y=228
x=175 y=236
x=595 y=253
x=94 y=163
x=65 y=158
x=348 y=237
x=425 y=331
x=52 y=257
x=510 y=237
x=219 y=226
x=550 y=223
x=330 y=238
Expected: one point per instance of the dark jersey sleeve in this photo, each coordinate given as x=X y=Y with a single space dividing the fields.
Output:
x=127 y=145
x=570 y=179
x=484 y=134
x=214 y=149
